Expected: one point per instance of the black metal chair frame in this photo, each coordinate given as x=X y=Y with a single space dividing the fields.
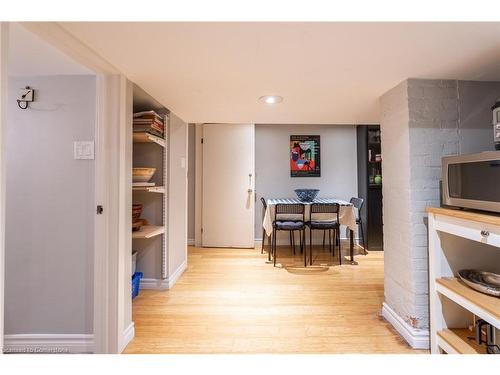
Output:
x=325 y=208
x=292 y=236
x=289 y=209
x=358 y=203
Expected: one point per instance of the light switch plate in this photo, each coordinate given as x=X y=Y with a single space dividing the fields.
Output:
x=83 y=150
x=183 y=163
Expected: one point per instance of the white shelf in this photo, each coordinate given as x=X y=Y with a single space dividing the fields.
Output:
x=144 y=137
x=456 y=341
x=482 y=305
x=148 y=231
x=150 y=189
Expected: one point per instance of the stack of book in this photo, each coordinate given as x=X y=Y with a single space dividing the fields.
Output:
x=149 y=121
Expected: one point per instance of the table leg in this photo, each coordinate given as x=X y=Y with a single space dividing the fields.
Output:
x=270 y=248
x=351 y=248
x=351 y=244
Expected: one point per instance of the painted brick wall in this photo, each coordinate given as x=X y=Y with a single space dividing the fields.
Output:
x=396 y=208
x=422 y=121
x=433 y=128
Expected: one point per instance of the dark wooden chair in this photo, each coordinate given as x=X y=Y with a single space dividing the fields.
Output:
x=283 y=222
x=332 y=226
x=358 y=203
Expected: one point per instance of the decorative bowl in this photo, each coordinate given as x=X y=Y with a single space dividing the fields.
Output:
x=306 y=195
x=142 y=174
x=137 y=225
x=484 y=282
x=136 y=212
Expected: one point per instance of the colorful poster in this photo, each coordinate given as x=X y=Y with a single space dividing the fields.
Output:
x=305 y=156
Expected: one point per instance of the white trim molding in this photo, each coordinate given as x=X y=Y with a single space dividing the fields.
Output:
x=164 y=284
x=49 y=343
x=4 y=46
x=128 y=336
x=172 y=279
x=198 y=187
x=416 y=338
x=156 y=284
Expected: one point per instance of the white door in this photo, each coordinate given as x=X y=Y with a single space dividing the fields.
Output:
x=228 y=185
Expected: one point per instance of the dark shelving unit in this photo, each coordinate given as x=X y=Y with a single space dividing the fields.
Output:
x=368 y=146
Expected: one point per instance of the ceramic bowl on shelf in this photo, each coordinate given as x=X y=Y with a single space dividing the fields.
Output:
x=484 y=282
x=136 y=212
x=306 y=195
x=142 y=174
x=138 y=224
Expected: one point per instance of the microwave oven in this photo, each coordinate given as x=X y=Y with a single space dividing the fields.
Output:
x=472 y=181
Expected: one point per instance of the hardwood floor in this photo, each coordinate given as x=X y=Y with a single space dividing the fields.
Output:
x=231 y=301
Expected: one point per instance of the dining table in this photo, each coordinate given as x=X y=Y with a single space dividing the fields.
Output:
x=347 y=216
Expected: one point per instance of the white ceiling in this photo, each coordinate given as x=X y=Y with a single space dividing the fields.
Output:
x=326 y=72
x=29 y=55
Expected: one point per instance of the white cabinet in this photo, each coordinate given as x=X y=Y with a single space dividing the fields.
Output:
x=460 y=240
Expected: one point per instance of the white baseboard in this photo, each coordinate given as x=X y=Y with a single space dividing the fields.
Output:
x=417 y=338
x=164 y=284
x=127 y=336
x=49 y=343
x=191 y=242
x=157 y=284
x=172 y=279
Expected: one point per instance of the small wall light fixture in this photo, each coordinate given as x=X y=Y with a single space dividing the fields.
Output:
x=26 y=95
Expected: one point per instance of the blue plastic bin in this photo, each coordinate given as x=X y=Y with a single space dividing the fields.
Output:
x=136 y=283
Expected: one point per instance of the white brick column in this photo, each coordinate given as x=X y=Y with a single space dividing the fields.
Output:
x=419 y=123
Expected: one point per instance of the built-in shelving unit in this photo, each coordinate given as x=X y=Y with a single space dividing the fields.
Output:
x=461 y=240
x=151 y=151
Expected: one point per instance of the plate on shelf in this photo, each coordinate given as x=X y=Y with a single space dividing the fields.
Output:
x=484 y=282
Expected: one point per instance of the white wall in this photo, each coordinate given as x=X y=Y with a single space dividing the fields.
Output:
x=272 y=164
x=475 y=119
x=50 y=208
x=177 y=190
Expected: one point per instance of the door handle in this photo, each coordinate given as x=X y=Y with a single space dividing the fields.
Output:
x=250 y=190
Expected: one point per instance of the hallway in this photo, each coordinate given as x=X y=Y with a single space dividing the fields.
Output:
x=231 y=301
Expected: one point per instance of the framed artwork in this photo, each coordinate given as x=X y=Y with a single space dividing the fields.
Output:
x=305 y=158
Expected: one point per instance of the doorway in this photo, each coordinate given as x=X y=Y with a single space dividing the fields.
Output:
x=228 y=181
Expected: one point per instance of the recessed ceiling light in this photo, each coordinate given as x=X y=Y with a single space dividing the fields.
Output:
x=271 y=99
